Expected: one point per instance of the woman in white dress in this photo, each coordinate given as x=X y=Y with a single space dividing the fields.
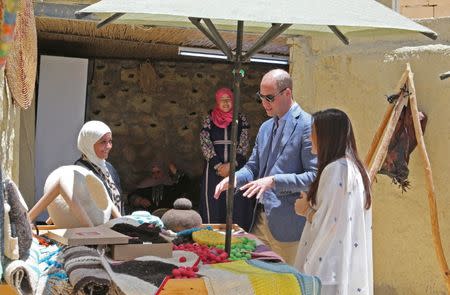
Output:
x=336 y=243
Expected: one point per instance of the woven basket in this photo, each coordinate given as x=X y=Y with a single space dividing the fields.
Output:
x=22 y=59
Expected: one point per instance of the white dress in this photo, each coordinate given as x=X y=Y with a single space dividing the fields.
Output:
x=337 y=245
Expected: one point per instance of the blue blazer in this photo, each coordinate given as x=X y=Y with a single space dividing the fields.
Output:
x=293 y=167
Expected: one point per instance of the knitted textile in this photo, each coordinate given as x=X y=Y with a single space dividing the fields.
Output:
x=11 y=249
x=223 y=282
x=143 y=233
x=263 y=281
x=23 y=275
x=310 y=285
x=20 y=223
x=262 y=251
x=84 y=267
x=146 y=217
x=188 y=232
x=145 y=274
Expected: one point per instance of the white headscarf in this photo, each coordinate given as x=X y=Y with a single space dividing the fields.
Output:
x=89 y=134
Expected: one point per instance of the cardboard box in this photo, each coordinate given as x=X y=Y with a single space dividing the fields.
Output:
x=98 y=235
x=132 y=251
x=7 y=290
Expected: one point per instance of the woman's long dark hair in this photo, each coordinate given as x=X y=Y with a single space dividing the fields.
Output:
x=335 y=140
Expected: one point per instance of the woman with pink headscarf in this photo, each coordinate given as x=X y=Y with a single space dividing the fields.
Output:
x=215 y=140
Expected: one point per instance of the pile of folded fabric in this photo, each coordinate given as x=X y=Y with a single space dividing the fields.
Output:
x=85 y=271
x=144 y=275
x=18 y=264
x=25 y=265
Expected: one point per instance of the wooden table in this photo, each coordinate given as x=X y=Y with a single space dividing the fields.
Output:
x=8 y=290
x=172 y=287
x=184 y=287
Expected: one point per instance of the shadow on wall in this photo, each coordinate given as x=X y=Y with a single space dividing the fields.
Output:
x=155 y=110
x=385 y=290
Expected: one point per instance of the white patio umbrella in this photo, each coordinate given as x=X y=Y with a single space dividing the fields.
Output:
x=272 y=18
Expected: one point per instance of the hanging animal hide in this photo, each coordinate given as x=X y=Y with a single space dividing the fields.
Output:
x=402 y=144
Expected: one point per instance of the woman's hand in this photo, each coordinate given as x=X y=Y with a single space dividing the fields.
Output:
x=220 y=187
x=301 y=205
x=224 y=170
x=172 y=168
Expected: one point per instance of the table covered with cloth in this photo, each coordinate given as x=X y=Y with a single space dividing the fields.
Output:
x=63 y=270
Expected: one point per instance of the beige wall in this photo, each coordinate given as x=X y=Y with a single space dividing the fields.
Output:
x=26 y=149
x=355 y=79
x=9 y=133
x=425 y=8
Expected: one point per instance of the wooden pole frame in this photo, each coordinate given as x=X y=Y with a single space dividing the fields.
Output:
x=378 y=150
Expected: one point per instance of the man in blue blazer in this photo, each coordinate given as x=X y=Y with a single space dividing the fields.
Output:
x=280 y=167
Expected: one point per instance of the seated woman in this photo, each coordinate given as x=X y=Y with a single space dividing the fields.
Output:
x=85 y=194
x=95 y=143
x=159 y=190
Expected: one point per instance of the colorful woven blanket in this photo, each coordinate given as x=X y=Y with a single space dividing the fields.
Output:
x=257 y=277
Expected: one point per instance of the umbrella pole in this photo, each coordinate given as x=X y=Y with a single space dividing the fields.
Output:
x=234 y=130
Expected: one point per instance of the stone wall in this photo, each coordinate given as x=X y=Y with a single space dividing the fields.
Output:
x=155 y=110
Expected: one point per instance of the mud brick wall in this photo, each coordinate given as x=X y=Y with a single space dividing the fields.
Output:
x=425 y=8
x=155 y=110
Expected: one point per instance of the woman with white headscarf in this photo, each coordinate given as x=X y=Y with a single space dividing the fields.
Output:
x=94 y=143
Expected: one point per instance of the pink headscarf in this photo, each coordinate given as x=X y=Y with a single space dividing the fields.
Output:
x=219 y=117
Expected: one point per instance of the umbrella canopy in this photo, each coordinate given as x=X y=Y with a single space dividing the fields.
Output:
x=303 y=15
x=296 y=17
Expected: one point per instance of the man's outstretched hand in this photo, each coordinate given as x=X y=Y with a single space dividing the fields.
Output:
x=258 y=187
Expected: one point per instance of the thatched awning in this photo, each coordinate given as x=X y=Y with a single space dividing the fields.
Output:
x=81 y=38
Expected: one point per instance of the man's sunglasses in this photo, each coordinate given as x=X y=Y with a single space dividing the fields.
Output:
x=269 y=98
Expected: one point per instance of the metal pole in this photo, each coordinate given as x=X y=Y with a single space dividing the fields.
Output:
x=339 y=34
x=234 y=130
x=221 y=42
x=213 y=35
x=268 y=36
x=109 y=20
x=396 y=5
